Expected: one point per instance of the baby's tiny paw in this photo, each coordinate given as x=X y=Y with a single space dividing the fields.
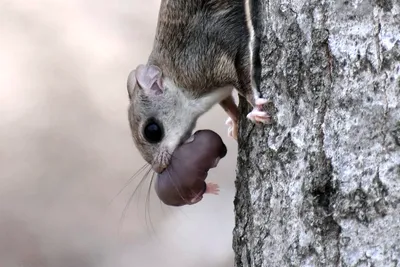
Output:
x=212 y=189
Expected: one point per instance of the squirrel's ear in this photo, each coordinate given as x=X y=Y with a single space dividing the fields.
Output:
x=149 y=79
x=131 y=83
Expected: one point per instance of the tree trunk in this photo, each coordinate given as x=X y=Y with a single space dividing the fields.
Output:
x=321 y=186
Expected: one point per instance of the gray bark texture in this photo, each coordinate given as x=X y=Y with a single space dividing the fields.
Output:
x=321 y=186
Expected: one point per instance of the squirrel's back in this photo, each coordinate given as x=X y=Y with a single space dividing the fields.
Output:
x=197 y=42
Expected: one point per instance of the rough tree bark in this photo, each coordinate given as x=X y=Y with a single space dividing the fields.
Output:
x=321 y=187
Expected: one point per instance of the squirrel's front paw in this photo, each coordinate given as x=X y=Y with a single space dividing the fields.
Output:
x=232 y=128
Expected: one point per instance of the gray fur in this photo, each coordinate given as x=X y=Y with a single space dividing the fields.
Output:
x=202 y=48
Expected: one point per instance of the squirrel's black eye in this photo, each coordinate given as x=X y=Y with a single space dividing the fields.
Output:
x=153 y=132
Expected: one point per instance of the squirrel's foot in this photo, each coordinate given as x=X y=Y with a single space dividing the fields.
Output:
x=232 y=128
x=257 y=114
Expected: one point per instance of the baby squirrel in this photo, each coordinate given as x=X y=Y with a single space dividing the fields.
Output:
x=183 y=181
x=201 y=52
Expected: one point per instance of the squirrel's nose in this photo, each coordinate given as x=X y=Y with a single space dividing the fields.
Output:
x=159 y=168
x=161 y=162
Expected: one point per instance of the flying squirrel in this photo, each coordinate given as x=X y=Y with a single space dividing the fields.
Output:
x=202 y=51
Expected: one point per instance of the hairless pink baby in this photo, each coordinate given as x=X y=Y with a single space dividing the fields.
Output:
x=183 y=181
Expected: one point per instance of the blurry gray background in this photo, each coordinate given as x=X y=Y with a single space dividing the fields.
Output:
x=66 y=149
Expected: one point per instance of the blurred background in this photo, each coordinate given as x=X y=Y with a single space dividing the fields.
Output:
x=66 y=149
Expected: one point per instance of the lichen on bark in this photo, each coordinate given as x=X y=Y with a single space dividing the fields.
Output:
x=321 y=186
